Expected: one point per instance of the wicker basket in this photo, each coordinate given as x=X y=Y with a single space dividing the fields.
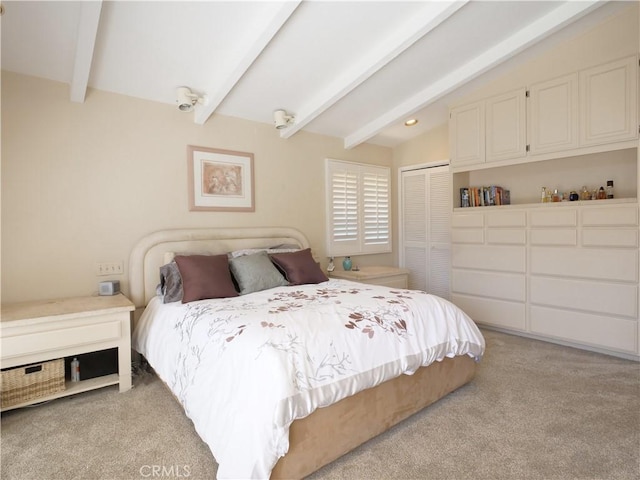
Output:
x=28 y=382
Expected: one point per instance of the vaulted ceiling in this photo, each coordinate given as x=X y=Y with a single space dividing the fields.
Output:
x=351 y=69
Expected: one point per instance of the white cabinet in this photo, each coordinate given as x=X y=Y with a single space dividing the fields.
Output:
x=488 y=261
x=608 y=104
x=490 y=130
x=467 y=134
x=506 y=133
x=586 y=290
x=553 y=115
x=562 y=272
x=589 y=111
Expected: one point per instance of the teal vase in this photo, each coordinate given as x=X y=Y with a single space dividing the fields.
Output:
x=346 y=263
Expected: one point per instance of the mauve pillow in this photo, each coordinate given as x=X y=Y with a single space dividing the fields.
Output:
x=299 y=267
x=205 y=276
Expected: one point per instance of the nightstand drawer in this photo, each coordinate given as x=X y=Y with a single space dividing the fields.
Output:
x=392 y=277
x=393 y=281
x=26 y=343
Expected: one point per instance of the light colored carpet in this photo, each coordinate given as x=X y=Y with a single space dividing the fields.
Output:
x=534 y=411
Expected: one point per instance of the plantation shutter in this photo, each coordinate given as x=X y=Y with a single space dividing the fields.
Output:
x=358 y=209
x=375 y=208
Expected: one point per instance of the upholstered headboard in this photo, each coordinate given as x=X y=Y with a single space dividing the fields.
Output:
x=149 y=253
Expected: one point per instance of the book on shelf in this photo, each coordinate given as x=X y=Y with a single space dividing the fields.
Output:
x=484 y=196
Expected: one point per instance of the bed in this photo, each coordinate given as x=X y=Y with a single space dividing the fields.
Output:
x=283 y=380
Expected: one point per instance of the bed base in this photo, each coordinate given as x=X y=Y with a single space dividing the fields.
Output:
x=330 y=432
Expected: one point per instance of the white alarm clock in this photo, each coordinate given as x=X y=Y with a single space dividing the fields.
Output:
x=110 y=287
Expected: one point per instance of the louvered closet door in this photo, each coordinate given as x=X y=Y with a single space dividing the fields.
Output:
x=426 y=229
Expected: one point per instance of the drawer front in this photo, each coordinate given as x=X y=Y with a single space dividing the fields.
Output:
x=595 y=263
x=467 y=220
x=554 y=218
x=485 y=257
x=467 y=235
x=556 y=236
x=498 y=313
x=56 y=339
x=598 y=297
x=506 y=219
x=626 y=215
x=506 y=236
x=393 y=281
x=607 y=237
x=603 y=331
x=506 y=286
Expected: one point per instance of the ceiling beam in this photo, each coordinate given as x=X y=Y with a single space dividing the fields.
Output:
x=203 y=112
x=87 y=31
x=508 y=48
x=401 y=39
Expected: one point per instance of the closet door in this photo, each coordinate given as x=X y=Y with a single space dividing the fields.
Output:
x=426 y=229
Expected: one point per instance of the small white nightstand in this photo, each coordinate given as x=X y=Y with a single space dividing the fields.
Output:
x=389 y=276
x=33 y=332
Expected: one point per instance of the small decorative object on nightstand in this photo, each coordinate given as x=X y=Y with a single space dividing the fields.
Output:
x=346 y=263
x=331 y=267
x=388 y=276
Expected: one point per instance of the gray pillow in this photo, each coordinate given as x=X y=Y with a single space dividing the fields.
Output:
x=255 y=272
x=170 y=283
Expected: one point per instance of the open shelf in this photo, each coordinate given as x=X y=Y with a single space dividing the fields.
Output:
x=71 y=388
x=578 y=203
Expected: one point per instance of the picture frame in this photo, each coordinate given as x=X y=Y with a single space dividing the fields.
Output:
x=220 y=180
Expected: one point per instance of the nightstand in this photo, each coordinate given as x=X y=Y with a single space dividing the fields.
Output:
x=39 y=331
x=389 y=276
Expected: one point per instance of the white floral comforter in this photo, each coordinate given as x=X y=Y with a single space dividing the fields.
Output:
x=244 y=368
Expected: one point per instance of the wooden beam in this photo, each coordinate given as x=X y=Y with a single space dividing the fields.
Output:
x=87 y=31
x=403 y=37
x=203 y=112
x=508 y=48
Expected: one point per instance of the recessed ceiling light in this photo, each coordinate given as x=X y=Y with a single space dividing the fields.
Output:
x=411 y=122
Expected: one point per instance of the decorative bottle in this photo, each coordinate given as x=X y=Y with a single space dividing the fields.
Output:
x=602 y=194
x=346 y=263
x=609 y=188
x=75 y=370
x=543 y=195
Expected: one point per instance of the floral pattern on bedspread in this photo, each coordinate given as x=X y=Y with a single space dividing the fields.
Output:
x=272 y=356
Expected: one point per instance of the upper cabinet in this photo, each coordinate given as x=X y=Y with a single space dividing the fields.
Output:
x=467 y=134
x=584 y=112
x=553 y=115
x=506 y=131
x=488 y=130
x=608 y=102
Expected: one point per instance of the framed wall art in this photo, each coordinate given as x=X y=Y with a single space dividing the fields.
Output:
x=220 y=180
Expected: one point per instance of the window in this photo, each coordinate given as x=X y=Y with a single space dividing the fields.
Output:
x=358 y=210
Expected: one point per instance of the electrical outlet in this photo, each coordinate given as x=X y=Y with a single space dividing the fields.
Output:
x=110 y=268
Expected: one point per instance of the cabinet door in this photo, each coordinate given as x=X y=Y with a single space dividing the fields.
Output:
x=608 y=102
x=505 y=129
x=467 y=134
x=553 y=115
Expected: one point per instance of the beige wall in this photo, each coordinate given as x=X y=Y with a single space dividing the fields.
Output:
x=81 y=183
